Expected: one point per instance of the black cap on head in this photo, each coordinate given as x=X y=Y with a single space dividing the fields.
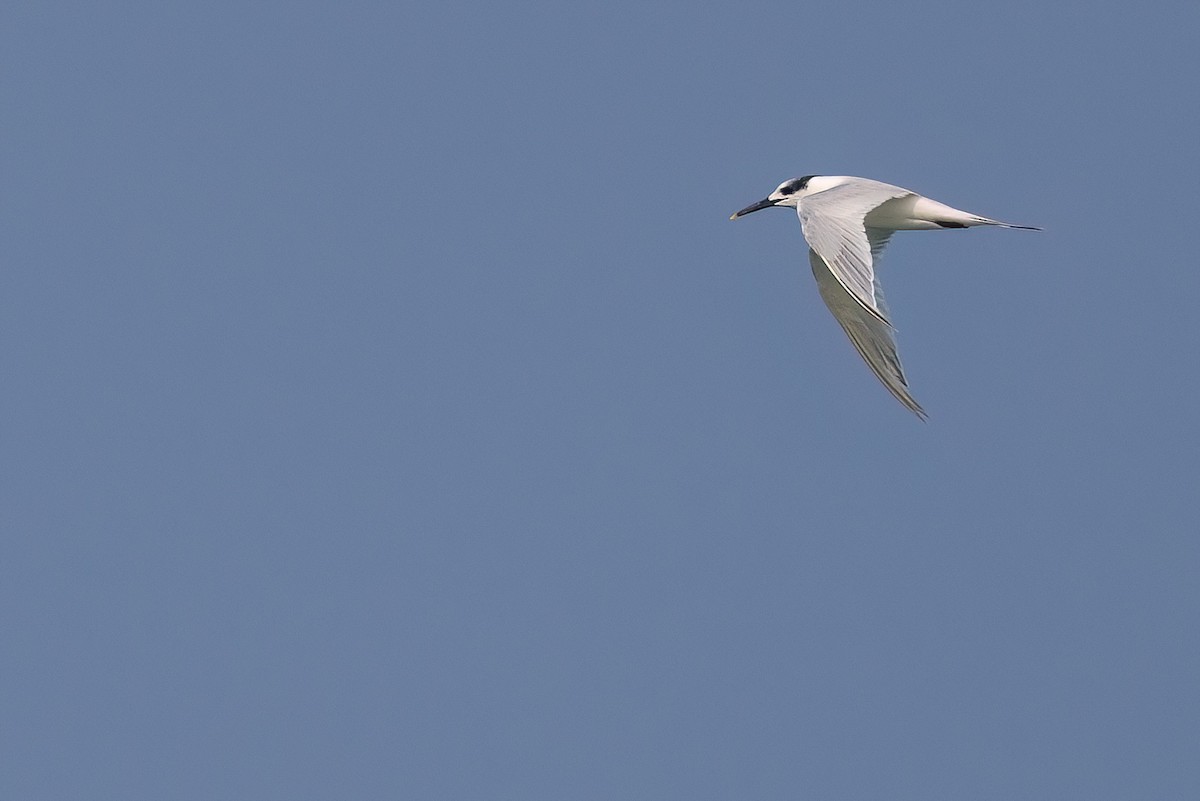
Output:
x=795 y=185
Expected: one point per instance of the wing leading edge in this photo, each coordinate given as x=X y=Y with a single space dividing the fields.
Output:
x=871 y=335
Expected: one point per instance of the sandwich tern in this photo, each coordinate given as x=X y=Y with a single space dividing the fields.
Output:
x=847 y=222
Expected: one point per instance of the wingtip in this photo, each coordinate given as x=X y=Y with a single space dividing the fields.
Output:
x=908 y=401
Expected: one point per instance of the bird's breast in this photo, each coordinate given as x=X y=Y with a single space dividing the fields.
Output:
x=908 y=213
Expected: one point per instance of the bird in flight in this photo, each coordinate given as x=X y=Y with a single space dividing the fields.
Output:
x=847 y=222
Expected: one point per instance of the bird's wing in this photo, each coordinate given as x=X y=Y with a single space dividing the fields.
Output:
x=872 y=336
x=833 y=225
x=878 y=239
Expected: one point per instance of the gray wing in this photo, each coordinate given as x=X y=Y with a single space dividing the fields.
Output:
x=833 y=225
x=871 y=335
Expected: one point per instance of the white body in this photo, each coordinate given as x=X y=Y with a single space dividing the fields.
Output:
x=899 y=209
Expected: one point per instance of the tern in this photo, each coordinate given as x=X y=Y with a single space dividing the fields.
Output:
x=847 y=222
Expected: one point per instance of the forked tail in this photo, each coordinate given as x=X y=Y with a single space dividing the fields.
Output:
x=989 y=221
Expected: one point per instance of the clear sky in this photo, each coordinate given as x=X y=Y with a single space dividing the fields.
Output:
x=390 y=410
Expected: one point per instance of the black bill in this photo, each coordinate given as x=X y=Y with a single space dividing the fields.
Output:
x=765 y=203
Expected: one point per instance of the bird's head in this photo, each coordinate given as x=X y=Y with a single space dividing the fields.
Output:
x=787 y=193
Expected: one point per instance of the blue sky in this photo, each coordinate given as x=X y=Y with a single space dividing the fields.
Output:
x=391 y=411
